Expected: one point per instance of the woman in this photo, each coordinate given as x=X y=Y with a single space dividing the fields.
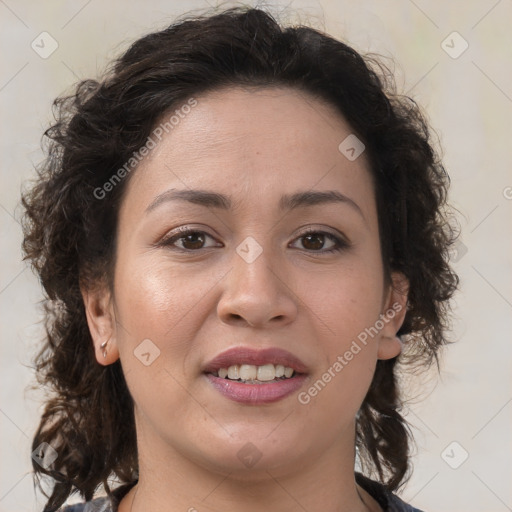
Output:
x=242 y=236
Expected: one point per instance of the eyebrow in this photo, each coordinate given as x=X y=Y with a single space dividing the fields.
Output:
x=286 y=203
x=200 y=197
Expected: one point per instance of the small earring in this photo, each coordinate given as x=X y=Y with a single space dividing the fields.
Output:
x=103 y=347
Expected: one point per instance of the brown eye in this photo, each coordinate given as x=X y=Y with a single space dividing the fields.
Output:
x=321 y=242
x=313 y=241
x=189 y=240
x=193 y=241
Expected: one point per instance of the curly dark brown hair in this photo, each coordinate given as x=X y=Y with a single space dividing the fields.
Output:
x=70 y=233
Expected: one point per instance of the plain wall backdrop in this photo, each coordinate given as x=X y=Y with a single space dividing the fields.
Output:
x=455 y=59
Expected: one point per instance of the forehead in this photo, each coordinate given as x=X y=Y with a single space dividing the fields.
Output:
x=258 y=116
x=257 y=141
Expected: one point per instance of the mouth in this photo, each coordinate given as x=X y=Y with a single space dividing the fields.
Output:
x=252 y=374
x=256 y=376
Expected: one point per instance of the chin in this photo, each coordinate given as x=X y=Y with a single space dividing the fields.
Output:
x=250 y=457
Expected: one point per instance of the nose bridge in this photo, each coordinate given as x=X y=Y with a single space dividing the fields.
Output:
x=253 y=265
x=255 y=291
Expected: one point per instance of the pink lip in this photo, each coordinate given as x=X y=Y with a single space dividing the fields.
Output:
x=255 y=394
x=245 y=355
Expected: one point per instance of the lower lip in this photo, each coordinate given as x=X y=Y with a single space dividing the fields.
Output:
x=256 y=394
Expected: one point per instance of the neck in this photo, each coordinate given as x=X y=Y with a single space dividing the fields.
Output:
x=171 y=482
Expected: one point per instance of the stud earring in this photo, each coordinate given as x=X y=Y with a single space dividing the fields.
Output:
x=103 y=347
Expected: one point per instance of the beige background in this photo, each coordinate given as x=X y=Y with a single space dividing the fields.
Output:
x=469 y=102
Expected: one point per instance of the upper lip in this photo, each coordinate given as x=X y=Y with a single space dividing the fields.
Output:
x=246 y=355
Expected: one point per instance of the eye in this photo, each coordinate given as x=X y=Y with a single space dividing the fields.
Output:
x=188 y=240
x=321 y=241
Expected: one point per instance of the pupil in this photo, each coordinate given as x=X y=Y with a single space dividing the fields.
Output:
x=317 y=241
x=194 y=239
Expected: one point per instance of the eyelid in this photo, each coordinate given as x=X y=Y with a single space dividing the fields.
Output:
x=341 y=241
x=339 y=238
x=323 y=230
x=181 y=231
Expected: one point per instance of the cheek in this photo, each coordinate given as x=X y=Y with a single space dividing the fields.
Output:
x=149 y=299
x=346 y=299
x=335 y=395
x=346 y=303
x=343 y=319
x=157 y=310
x=148 y=284
x=163 y=302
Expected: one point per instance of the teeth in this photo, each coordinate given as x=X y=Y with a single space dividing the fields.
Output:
x=250 y=372
x=266 y=372
x=233 y=372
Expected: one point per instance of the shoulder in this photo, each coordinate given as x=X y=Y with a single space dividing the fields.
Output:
x=395 y=504
x=103 y=504
x=388 y=501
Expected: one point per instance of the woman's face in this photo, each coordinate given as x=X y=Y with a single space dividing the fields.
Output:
x=250 y=277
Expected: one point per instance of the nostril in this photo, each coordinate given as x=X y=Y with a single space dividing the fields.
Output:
x=239 y=318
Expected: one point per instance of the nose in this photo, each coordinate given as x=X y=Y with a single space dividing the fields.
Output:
x=257 y=294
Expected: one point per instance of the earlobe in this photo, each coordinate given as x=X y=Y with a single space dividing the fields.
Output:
x=389 y=347
x=102 y=326
x=395 y=309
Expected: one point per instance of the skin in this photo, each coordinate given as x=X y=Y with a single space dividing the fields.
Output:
x=254 y=146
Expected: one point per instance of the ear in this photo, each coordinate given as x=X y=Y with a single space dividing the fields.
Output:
x=393 y=315
x=102 y=323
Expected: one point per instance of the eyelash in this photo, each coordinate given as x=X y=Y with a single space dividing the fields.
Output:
x=339 y=246
x=339 y=243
